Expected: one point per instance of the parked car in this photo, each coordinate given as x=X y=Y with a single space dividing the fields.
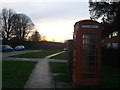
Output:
x=20 y=47
x=6 y=48
x=65 y=49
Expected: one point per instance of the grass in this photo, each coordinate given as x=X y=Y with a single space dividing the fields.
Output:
x=16 y=73
x=59 y=67
x=109 y=75
x=62 y=56
x=62 y=78
x=39 y=54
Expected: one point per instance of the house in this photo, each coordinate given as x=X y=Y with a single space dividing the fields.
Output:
x=113 y=41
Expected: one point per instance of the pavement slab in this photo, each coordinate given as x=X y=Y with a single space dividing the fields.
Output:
x=49 y=56
x=40 y=77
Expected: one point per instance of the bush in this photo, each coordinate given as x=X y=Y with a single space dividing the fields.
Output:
x=110 y=56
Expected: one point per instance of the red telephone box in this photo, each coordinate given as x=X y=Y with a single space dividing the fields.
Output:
x=87 y=53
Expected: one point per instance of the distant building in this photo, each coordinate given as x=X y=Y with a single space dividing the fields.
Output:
x=113 y=41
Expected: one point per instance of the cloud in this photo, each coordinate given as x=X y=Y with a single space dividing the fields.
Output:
x=52 y=19
x=62 y=10
x=14 y=1
x=57 y=29
x=50 y=10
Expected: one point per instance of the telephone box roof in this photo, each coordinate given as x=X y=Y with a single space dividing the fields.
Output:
x=86 y=21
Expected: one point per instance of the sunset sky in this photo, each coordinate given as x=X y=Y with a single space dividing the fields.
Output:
x=53 y=18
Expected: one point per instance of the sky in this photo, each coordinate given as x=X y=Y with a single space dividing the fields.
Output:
x=53 y=18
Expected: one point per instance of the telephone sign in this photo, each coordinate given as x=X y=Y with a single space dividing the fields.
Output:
x=89 y=26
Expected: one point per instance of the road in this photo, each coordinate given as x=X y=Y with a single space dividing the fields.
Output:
x=6 y=54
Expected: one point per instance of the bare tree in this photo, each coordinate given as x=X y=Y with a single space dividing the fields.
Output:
x=35 y=36
x=14 y=25
x=6 y=24
x=23 y=26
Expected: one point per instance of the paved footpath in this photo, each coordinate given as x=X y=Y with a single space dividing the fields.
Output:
x=41 y=76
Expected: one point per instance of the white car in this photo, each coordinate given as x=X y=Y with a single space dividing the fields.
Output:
x=20 y=47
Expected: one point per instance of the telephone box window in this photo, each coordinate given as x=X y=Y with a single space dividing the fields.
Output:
x=89 y=41
x=89 y=69
x=89 y=58
x=88 y=75
x=89 y=47
x=89 y=52
x=89 y=35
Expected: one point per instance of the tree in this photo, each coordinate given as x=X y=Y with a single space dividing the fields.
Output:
x=108 y=12
x=6 y=24
x=105 y=10
x=15 y=25
x=35 y=36
x=23 y=26
x=43 y=38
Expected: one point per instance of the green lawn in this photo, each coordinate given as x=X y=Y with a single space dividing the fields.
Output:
x=16 y=73
x=62 y=78
x=39 y=54
x=109 y=76
x=59 y=67
x=62 y=56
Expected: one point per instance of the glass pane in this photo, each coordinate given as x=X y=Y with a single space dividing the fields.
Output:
x=88 y=76
x=89 y=35
x=88 y=41
x=89 y=46
x=89 y=52
x=89 y=67
x=86 y=67
x=89 y=58
x=92 y=63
